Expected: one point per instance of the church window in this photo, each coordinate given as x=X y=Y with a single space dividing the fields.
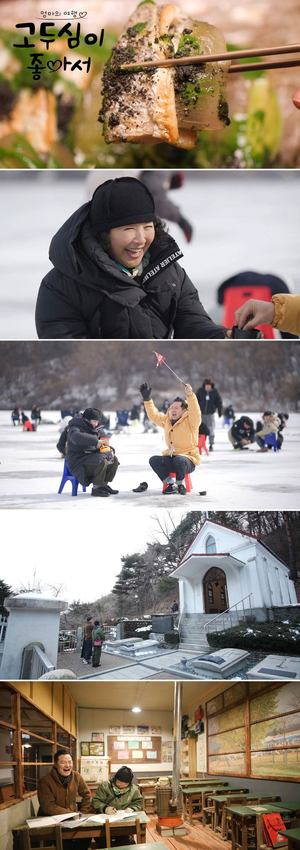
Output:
x=210 y=545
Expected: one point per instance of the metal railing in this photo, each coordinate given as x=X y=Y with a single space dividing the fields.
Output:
x=35 y=662
x=228 y=613
x=180 y=618
x=68 y=640
x=3 y=627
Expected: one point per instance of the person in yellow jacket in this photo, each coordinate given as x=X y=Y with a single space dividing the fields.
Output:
x=181 y=424
x=282 y=312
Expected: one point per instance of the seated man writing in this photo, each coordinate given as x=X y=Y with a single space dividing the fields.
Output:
x=181 y=423
x=88 y=458
x=59 y=790
x=118 y=793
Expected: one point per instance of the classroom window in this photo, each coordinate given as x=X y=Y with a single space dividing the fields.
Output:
x=35 y=721
x=28 y=740
x=254 y=729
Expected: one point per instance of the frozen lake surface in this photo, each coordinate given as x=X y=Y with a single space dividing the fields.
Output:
x=31 y=469
x=241 y=221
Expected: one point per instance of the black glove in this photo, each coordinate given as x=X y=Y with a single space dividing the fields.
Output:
x=177 y=180
x=186 y=227
x=145 y=391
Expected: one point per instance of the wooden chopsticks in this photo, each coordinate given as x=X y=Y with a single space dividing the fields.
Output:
x=238 y=67
x=222 y=57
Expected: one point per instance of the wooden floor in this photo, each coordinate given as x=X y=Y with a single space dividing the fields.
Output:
x=198 y=838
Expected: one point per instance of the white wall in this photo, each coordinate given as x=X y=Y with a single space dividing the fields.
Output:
x=99 y=720
x=12 y=817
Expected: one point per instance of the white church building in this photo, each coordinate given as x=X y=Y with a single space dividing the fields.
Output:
x=223 y=568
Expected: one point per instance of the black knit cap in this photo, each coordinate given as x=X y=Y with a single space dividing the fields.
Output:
x=119 y=202
x=124 y=774
x=92 y=413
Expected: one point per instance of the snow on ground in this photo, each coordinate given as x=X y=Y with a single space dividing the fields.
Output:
x=30 y=472
x=229 y=234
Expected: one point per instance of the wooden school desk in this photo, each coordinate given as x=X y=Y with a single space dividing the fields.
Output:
x=131 y=826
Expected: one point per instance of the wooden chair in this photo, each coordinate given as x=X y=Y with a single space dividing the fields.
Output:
x=108 y=835
x=53 y=836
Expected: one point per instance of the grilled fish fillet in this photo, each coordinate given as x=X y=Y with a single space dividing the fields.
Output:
x=164 y=104
x=140 y=107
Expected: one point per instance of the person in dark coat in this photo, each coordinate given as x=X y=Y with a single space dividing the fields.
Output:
x=242 y=433
x=209 y=400
x=228 y=415
x=16 y=416
x=36 y=416
x=116 y=274
x=85 y=456
x=87 y=643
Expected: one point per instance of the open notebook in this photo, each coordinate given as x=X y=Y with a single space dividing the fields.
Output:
x=72 y=820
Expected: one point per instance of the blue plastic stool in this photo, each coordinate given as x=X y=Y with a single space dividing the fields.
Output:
x=271 y=441
x=67 y=476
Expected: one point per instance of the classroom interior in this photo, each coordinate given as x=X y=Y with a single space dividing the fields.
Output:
x=228 y=746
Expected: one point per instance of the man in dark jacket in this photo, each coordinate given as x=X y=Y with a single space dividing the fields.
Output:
x=116 y=274
x=242 y=433
x=85 y=456
x=209 y=401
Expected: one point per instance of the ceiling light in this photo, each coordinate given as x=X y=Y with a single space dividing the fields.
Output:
x=136 y=709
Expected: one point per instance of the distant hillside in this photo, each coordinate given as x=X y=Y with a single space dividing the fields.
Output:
x=55 y=374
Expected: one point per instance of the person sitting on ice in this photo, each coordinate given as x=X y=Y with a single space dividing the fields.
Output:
x=242 y=433
x=181 y=424
x=27 y=425
x=270 y=425
x=89 y=456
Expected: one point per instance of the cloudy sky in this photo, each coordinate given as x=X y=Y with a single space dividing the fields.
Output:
x=81 y=553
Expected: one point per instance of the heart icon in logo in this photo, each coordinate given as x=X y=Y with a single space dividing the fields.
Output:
x=54 y=64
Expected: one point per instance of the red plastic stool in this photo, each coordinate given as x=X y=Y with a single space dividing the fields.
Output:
x=187 y=481
x=202 y=443
x=235 y=296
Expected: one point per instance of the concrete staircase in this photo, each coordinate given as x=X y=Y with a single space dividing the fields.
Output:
x=193 y=636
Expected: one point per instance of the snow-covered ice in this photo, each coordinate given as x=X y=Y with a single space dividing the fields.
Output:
x=30 y=472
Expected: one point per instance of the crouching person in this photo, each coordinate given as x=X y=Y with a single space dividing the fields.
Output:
x=89 y=458
x=181 y=424
x=59 y=791
x=270 y=425
x=242 y=434
x=120 y=792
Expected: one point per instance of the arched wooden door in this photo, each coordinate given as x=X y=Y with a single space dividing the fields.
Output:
x=215 y=591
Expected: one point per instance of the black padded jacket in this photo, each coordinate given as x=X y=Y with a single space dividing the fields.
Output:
x=88 y=296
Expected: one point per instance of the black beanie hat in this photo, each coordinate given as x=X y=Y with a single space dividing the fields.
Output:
x=119 y=202
x=92 y=413
x=124 y=774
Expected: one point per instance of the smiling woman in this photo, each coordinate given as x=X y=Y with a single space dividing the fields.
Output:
x=116 y=274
